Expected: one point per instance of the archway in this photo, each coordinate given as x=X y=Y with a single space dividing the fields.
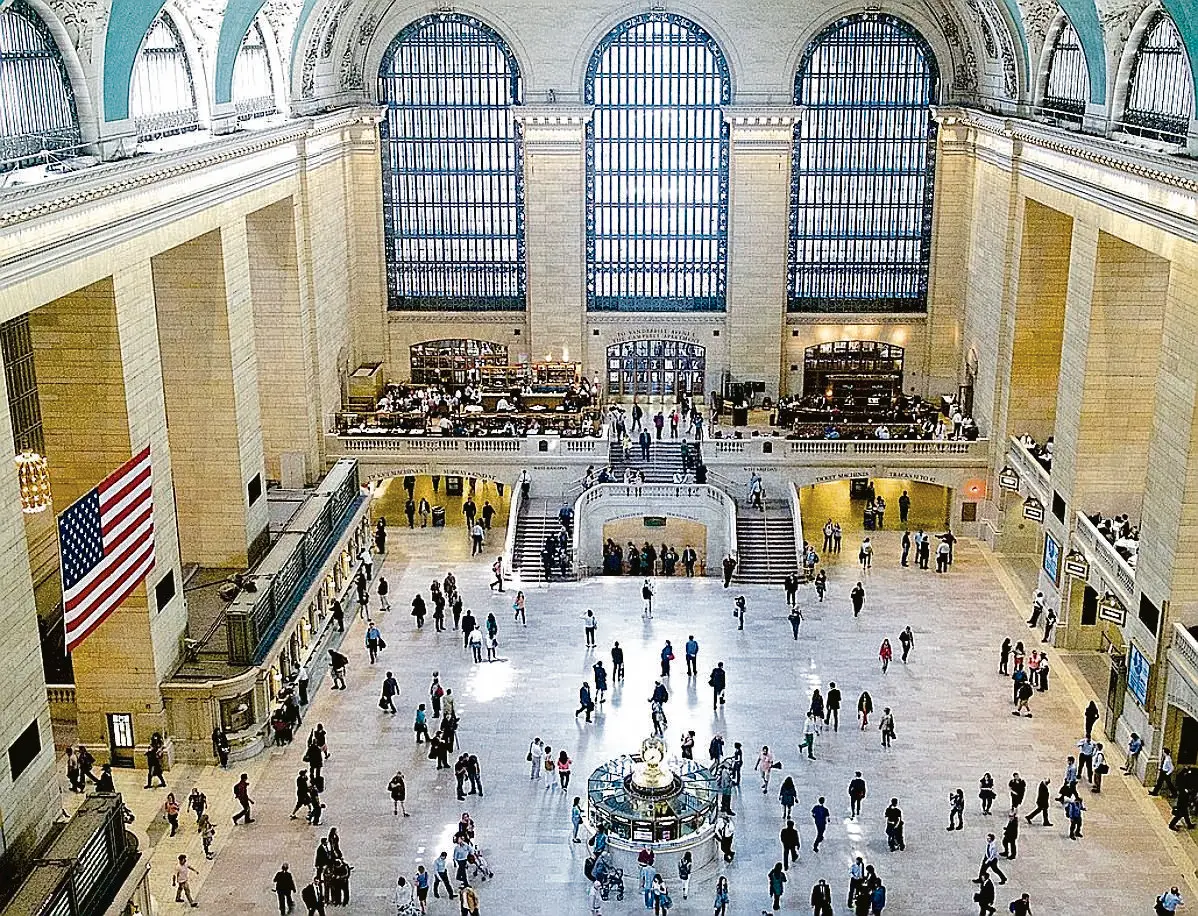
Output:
x=846 y=501
x=656 y=368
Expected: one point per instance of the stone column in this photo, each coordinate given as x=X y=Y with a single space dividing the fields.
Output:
x=285 y=353
x=758 y=240
x=210 y=376
x=101 y=394
x=555 y=228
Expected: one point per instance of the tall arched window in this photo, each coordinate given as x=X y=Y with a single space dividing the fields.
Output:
x=38 y=108
x=863 y=166
x=162 y=99
x=1160 y=92
x=253 y=85
x=657 y=168
x=453 y=167
x=1067 y=89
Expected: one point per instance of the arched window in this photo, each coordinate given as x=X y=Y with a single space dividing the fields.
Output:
x=253 y=85
x=657 y=168
x=863 y=166
x=453 y=167
x=1160 y=92
x=162 y=99
x=37 y=111
x=1068 y=87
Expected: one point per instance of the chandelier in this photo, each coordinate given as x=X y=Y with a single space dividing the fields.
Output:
x=33 y=475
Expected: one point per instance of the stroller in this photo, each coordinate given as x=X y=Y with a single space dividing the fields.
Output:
x=478 y=865
x=609 y=877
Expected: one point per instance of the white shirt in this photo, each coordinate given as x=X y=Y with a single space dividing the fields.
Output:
x=991 y=851
x=1167 y=765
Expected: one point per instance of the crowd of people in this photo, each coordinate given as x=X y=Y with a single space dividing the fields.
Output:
x=820 y=416
x=1041 y=452
x=648 y=560
x=1120 y=534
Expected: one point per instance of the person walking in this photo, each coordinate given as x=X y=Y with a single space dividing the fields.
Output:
x=181 y=879
x=441 y=876
x=832 y=706
x=647 y=595
x=685 y=866
x=907 y=641
x=796 y=618
x=1164 y=775
x=885 y=653
x=1073 y=811
x=990 y=861
x=1092 y=716
x=857 y=792
x=420 y=725
x=857 y=596
x=171 y=810
x=738 y=610
x=729 y=567
x=720 y=904
x=692 y=656
x=821 y=584
x=765 y=765
x=564 y=763
x=820 y=815
x=390 y=689
x=617 y=661
x=1169 y=901
x=809 y=730
x=787 y=796
x=866 y=554
x=585 y=703
x=1181 y=808
x=667 y=656
x=886 y=727
x=241 y=792
x=821 y=899
x=984 y=897
x=284 y=883
x=906 y=544
x=576 y=818
x=518 y=608
x=894 y=826
x=777 y=881
x=1042 y=798
x=590 y=625
x=790 y=843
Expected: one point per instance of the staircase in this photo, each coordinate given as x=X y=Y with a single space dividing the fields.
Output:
x=665 y=460
x=765 y=543
x=536 y=520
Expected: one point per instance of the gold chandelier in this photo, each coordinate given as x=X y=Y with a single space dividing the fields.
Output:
x=33 y=475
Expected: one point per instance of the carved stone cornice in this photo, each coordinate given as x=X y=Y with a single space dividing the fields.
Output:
x=1161 y=168
x=28 y=202
x=546 y=114
x=764 y=116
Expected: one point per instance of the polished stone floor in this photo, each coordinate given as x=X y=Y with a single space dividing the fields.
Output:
x=953 y=718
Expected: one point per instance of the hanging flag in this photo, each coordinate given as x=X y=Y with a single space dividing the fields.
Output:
x=106 y=546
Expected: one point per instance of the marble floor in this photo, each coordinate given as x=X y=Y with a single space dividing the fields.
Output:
x=953 y=721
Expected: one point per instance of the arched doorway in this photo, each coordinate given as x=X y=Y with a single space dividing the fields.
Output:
x=656 y=368
x=868 y=371
x=454 y=362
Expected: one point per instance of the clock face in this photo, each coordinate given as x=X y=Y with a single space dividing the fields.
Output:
x=653 y=751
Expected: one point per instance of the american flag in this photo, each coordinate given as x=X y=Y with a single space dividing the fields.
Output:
x=106 y=546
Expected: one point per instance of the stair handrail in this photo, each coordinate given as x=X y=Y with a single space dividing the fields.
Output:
x=796 y=520
x=513 y=522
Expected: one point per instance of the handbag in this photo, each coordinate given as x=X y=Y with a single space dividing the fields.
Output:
x=382 y=643
x=383 y=704
x=529 y=757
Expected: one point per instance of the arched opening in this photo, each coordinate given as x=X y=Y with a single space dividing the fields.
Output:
x=1160 y=91
x=38 y=117
x=453 y=168
x=657 y=168
x=863 y=169
x=656 y=368
x=162 y=98
x=1066 y=90
x=253 y=80
x=867 y=505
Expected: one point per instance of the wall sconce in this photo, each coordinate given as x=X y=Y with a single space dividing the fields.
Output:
x=33 y=476
x=1008 y=479
x=1033 y=509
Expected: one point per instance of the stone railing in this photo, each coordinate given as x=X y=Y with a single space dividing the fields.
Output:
x=1186 y=647
x=61 y=696
x=1032 y=476
x=390 y=446
x=1182 y=685
x=770 y=448
x=1115 y=572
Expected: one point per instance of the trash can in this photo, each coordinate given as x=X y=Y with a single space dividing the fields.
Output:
x=740 y=416
x=438 y=516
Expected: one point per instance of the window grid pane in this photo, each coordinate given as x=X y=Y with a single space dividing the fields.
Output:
x=1160 y=95
x=253 y=85
x=1068 y=88
x=863 y=168
x=37 y=111
x=453 y=168
x=657 y=168
x=162 y=99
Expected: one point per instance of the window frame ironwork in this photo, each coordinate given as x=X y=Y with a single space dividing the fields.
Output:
x=20 y=378
x=47 y=120
x=264 y=104
x=842 y=279
x=651 y=282
x=155 y=124
x=495 y=277
x=654 y=367
x=1154 y=121
x=1067 y=71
